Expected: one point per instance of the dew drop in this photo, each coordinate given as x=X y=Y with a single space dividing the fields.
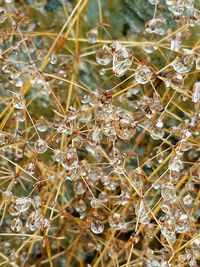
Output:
x=122 y=59
x=41 y=125
x=183 y=63
x=96 y=226
x=16 y=225
x=196 y=92
x=30 y=168
x=70 y=159
x=18 y=101
x=40 y=146
x=3 y=15
x=103 y=55
x=92 y=36
x=143 y=74
x=116 y=221
x=168 y=192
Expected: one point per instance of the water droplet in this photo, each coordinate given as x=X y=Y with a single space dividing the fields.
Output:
x=18 y=101
x=13 y=210
x=198 y=63
x=80 y=206
x=188 y=200
x=183 y=63
x=178 y=8
x=176 y=82
x=175 y=164
x=156 y=26
x=143 y=74
x=3 y=15
x=95 y=203
x=116 y=221
x=41 y=125
x=122 y=59
x=168 y=228
x=138 y=177
x=70 y=159
x=79 y=187
x=40 y=146
x=96 y=226
x=124 y=125
x=103 y=197
x=16 y=225
x=30 y=168
x=53 y=59
x=103 y=55
x=22 y=203
x=92 y=36
x=102 y=72
x=168 y=192
x=33 y=221
x=182 y=223
x=142 y=211
x=196 y=92
x=157 y=132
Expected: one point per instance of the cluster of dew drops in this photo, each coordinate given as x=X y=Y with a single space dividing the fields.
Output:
x=88 y=149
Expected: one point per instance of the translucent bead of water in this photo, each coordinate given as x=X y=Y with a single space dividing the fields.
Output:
x=178 y=7
x=92 y=36
x=175 y=164
x=182 y=223
x=196 y=92
x=158 y=131
x=138 y=178
x=33 y=221
x=142 y=211
x=168 y=228
x=79 y=187
x=16 y=225
x=103 y=55
x=13 y=210
x=156 y=26
x=95 y=203
x=40 y=146
x=183 y=63
x=122 y=59
x=41 y=125
x=53 y=59
x=80 y=206
x=17 y=79
x=176 y=82
x=116 y=221
x=23 y=203
x=70 y=159
x=124 y=125
x=143 y=74
x=168 y=192
x=198 y=63
x=3 y=15
x=96 y=226
x=30 y=168
x=18 y=101
x=103 y=197
x=188 y=200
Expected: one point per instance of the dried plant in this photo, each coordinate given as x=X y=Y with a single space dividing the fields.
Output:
x=99 y=136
